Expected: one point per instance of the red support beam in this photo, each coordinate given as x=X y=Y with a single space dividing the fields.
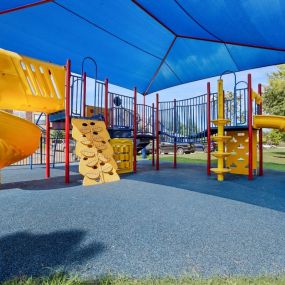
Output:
x=157 y=131
x=250 y=131
x=67 y=118
x=260 y=135
x=84 y=94
x=208 y=129
x=106 y=109
x=25 y=6
x=175 y=139
x=153 y=134
x=135 y=130
x=47 y=146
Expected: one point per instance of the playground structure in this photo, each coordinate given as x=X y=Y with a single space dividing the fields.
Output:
x=32 y=85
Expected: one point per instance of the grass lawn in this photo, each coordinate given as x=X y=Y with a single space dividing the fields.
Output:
x=273 y=158
x=60 y=279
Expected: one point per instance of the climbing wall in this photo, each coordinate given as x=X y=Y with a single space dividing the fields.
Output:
x=238 y=147
x=123 y=154
x=97 y=164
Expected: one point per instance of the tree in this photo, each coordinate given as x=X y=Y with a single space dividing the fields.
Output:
x=274 y=95
x=274 y=137
x=274 y=100
x=57 y=134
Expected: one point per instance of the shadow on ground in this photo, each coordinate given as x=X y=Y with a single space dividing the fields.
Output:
x=26 y=254
x=267 y=191
x=44 y=184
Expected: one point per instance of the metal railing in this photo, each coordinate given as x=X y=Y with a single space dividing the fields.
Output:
x=57 y=153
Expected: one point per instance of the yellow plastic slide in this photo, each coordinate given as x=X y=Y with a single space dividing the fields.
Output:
x=26 y=84
x=269 y=121
x=19 y=139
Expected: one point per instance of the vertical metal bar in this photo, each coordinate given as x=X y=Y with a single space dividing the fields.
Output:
x=208 y=129
x=157 y=131
x=41 y=150
x=47 y=146
x=175 y=134
x=106 y=113
x=31 y=162
x=135 y=130
x=153 y=134
x=249 y=122
x=143 y=115
x=67 y=119
x=112 y=109
x=84 y=95
x=260 y=135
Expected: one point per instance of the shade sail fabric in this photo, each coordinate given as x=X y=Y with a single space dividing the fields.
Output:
x=149 y=44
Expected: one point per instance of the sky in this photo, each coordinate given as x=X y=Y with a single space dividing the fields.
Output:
x=193 y=89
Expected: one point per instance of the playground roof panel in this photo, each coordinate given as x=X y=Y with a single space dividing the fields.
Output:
x=149 y=44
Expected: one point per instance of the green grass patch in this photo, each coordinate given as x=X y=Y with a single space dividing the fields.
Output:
x=273 y=159
x=61 y=279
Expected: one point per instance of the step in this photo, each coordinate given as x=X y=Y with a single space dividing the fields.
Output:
x=221 y=154
x=220 y=170
x=221 y=138
x=221 y=122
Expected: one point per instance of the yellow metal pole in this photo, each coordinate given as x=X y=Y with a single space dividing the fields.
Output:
x=220 y=128
x=220 y=137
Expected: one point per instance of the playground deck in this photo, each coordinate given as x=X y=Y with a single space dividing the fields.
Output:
x=186 y=224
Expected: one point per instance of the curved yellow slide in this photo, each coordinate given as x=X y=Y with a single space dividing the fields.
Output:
x=269 y=121
x=19 y=139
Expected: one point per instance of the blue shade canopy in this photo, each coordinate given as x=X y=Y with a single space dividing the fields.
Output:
x=149 y=44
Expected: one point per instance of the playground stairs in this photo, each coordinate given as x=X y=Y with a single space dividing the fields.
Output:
x=97 y=164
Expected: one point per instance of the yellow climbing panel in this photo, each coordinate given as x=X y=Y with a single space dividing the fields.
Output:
x=221 y=138
x=123 y=154
x=97 y=164
x=237 y=146
x=28 y=84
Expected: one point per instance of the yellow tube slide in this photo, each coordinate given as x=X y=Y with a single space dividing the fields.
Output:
x=269 y=121
x=19 y=139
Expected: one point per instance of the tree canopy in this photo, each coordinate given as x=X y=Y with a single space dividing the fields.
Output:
x=274 y=100
x=274 y=95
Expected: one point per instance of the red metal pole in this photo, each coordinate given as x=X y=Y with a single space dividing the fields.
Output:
x=106 y=113
x=153 y=134
x=47 y=146
x=208 y=129
x=135 y=130
x=175 y=143
x=84 y=94
x=67 y=118
x=249 y=121
x=157 y=131
x=260 y=135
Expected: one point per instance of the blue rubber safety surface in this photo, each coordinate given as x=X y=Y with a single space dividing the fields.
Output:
x=171 y=222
